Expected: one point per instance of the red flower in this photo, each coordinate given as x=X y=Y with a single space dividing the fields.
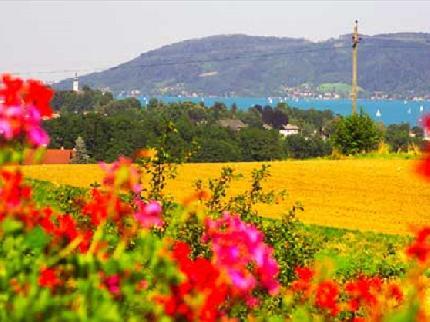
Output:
x=304 y=273
x=201 y=278
x=39 y=96
x=426 y=122
x=11 y=91
x=303 y=283
x=31 y=93
x=66 y=227
x=86 y=241
x=49 y=278
x=423 y=167
x=420 y=248
x=21 y=109
x=326 y=297
x=358 y=319
x=395 y=292
x=13 y=192
x=97 y=208
x=363 y=290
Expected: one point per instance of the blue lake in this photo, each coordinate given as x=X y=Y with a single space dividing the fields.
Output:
x=390 y=111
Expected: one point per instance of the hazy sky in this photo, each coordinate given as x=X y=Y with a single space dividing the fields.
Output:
x=44 y=36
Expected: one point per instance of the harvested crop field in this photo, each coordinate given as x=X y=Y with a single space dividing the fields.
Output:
x=367 y=194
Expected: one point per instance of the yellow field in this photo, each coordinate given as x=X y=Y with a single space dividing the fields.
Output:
x=374 y=194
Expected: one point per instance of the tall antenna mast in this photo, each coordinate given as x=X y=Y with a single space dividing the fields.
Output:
x=355 y=40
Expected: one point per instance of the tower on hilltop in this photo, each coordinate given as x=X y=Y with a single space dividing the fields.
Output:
x=75 y=87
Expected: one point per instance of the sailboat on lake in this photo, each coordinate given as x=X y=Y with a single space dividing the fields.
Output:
x=378 y=113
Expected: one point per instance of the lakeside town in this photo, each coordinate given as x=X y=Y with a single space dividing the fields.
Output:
x=329 y=91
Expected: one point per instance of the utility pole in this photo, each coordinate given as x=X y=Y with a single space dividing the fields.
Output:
x=355 y=40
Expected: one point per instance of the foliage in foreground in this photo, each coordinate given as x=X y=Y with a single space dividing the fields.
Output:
x=120 y=255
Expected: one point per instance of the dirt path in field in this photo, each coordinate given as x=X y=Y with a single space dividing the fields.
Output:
x=380 y=195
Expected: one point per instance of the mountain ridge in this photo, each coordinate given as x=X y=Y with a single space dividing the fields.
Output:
x=243 y=65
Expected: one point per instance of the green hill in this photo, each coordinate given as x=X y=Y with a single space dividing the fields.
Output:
x=262 y=66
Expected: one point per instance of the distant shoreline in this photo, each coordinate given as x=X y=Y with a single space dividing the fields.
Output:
x=390 y=111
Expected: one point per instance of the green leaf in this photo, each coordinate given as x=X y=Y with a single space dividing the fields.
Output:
x=276 y=318
x=407 y=314
x=37 y=238
x=11 y=225
x=301 y=314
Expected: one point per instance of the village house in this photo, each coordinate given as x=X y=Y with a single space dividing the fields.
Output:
x=289 y=129
x=232 y=124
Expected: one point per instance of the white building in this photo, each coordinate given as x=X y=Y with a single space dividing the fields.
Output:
x=289 y=129
x=75 y=86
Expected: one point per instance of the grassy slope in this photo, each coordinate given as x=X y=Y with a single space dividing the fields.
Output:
x=368 y=194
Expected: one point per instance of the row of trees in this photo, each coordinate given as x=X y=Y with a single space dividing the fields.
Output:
x=194 y=131
x=124 y=132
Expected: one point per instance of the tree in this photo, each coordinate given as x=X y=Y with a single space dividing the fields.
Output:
x=85 y=100
x=299 y=147
x=129 y=103
x=279 y=118
x=80 y=155
x=356 y=133
x=397 y=136
x=260 y=145
x=217 y=150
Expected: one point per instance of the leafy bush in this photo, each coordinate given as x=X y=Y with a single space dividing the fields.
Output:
x=299 y=147
x=356 y=133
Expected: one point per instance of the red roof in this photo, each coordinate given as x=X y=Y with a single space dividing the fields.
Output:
x=51 y=156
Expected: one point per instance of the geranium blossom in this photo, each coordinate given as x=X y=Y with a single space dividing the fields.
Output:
x=326 y=297
x=236 y=245
x=363 y=290
x=49 y=278
x=23 y=105
x=13 y=192
x=112 y=283
x=148 y=214
x=420 y=248
x=304 y=282
x=202 y=278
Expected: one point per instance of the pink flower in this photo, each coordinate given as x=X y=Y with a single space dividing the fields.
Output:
x=242 y=279
x=148 y=214
x=6 y=129
x=112 y=283
x=122 y=174
x=21 y=112
x=237 y=246
x=38 y=137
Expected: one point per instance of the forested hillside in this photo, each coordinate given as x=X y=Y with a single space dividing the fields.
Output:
x=262 y=66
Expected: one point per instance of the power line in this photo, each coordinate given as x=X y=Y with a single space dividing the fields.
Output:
x=241 y=55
